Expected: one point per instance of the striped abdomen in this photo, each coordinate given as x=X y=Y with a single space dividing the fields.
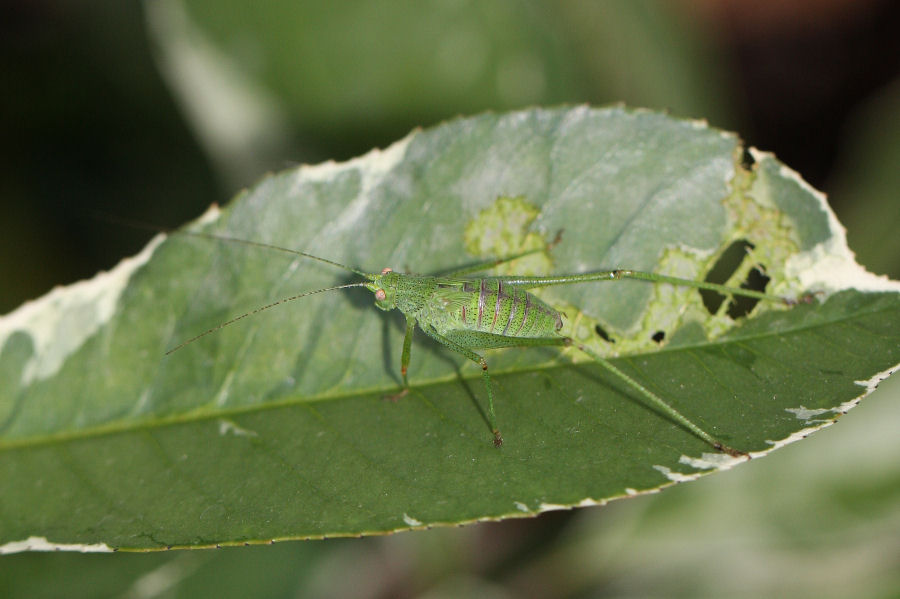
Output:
x=506 y=310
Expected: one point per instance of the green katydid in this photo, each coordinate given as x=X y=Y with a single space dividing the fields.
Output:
x=465 y=314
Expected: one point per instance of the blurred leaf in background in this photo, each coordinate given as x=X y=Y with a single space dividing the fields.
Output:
x=351 y=75
x=867 y=179
x=94 y=119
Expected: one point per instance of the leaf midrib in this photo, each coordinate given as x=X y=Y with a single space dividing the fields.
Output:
x=197 y=415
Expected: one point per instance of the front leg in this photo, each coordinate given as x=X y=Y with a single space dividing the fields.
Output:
x=404 y=359
x=407 y=346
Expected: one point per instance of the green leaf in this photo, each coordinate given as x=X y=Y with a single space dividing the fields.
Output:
x=276 y=426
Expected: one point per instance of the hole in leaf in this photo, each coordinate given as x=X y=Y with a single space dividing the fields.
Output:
x=722 y=270
x=747 y=160
x=659 y=336
x=742 y=306
x=603 y=334
x=725 y=267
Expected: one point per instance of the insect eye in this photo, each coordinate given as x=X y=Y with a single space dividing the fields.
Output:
x=380 y=295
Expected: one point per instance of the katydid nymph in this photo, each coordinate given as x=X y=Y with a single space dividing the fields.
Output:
x=464 y=313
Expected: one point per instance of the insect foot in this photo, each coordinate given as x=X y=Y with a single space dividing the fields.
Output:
x=731 y=451
x=556 y=240
x=393 y=397
x=806 y=298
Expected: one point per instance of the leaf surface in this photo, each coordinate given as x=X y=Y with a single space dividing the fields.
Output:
x=276 y=427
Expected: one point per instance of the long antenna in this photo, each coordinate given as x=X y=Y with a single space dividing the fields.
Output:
x=269 y=246
x=258 y=310
x=148 y=227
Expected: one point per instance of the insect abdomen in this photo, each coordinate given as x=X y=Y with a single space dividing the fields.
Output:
x=507 y=310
